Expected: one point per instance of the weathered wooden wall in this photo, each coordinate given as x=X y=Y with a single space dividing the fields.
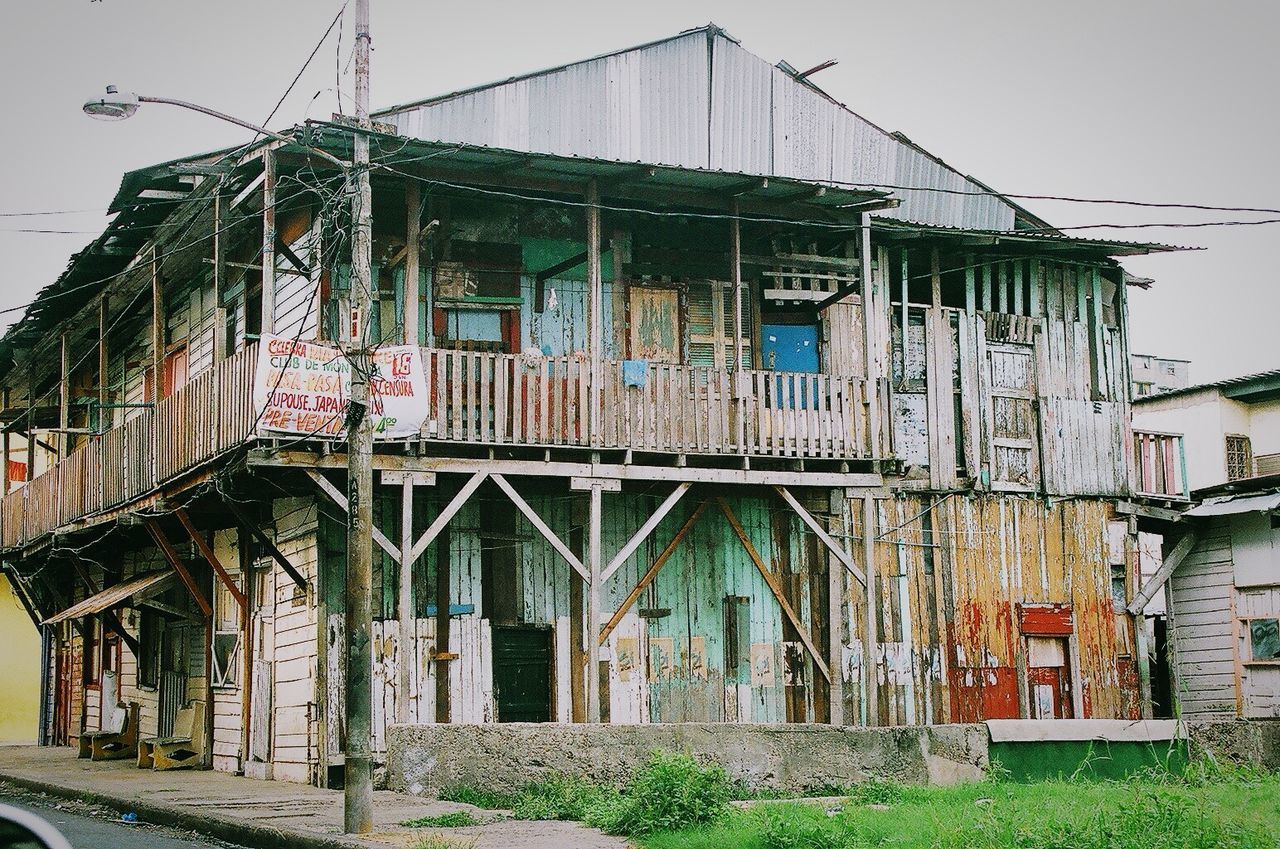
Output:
x=950 y=574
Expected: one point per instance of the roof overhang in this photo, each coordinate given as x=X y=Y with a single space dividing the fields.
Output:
x=1023 y=242
x=112 y=596
x=1234 y=504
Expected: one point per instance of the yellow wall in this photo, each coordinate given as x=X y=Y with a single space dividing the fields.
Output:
x=19 y=670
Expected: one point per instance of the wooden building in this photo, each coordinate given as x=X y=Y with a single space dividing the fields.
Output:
x=716 y=426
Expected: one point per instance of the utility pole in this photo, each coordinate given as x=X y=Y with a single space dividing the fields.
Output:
x=357 y=770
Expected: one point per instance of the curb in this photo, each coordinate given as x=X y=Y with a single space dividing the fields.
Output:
x=241 y=832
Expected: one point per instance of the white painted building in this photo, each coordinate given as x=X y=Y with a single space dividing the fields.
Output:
x=1152 y=375
x=1230 y=430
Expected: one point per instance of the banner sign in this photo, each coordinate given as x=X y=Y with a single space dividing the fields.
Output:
x=302 y=388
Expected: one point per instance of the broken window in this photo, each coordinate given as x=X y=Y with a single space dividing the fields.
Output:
x=1119 y=587
x=1239 y=457
x=226 y=637
x=1264 y=639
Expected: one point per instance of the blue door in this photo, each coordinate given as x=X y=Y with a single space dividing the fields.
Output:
x=792 y=348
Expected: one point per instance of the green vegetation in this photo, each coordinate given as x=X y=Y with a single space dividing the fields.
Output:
x=489 y=800
x=1198 y=808
x=456 y=819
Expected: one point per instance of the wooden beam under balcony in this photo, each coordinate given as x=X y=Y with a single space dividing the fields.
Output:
x=467 y=465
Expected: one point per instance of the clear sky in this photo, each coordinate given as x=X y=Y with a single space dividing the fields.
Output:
x=1160 y=101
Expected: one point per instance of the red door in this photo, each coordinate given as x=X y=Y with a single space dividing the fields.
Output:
x=1048 y=678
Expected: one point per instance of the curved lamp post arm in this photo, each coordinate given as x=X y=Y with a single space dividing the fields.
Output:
x=195 y=107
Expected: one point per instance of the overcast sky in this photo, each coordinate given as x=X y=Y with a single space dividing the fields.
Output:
x=1157 y=101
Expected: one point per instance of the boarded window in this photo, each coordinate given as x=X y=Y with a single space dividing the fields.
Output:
x=1239 y=457
x=148 y=648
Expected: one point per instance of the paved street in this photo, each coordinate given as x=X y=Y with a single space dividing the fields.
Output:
x=92 y=827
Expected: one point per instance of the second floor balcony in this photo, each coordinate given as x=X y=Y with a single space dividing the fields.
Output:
x=475 y=399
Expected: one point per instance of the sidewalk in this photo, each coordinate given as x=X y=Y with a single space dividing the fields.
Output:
x=270 y=814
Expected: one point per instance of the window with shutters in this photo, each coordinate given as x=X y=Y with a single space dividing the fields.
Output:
x=710 y=324
x=1239 y=457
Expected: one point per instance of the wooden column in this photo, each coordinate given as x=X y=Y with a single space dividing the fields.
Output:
x=4 y=405
x=104 y=366
x=869 y=319
x=157 y=330
x=244 y=543
x=737 y=376
x=219 y=277
x=595 y=320
x=413 y=248
x=836 y=583
x=64 y=398
x=404 y=607
x=593 y=605
x=870 y=637
x=269 y=242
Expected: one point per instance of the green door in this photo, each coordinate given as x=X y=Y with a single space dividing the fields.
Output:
x=522 y=673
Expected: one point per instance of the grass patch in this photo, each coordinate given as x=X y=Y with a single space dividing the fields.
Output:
x=489 y=800
x=1199 y=808
x=456 y=819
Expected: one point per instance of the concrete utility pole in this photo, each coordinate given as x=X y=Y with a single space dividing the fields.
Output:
x=357 y=772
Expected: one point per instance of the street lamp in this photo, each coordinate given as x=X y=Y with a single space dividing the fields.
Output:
x=115 y=105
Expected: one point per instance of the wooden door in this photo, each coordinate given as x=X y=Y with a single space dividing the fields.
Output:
x=522 y=673
x=1048 y=678
x=173 y=677
x=654 y=324
x=1013 y=424
x=64 y=675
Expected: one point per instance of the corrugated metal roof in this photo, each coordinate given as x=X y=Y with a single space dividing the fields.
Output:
x=699 y=100
x=1108 y=247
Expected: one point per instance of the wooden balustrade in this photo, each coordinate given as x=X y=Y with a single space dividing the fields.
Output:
x=473 y=397
x=210 y=415
x=1159 y=465
x=486 y=398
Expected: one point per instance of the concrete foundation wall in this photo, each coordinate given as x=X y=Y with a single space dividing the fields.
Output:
x=781 y=757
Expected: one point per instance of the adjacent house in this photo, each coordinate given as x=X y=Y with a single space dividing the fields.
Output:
x=1153 y=375
x=688 y=411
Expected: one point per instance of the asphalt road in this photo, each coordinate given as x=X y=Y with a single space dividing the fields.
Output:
x=89 y=827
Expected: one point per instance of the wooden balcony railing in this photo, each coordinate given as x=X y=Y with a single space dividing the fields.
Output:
x=508 y=399
x=208 y=416
x=1159 y=465
x=475 y=398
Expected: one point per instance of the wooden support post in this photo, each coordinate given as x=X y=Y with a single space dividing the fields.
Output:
x=870 y=639
x=64 y=398
x=246 y=648
x=266 y=542
x=651 y=573
x=162 y=542
x=641 y=535
x=413 y=250
x=219 y=276
x=4 y=440
x=1153 y=584
x=541 y=527
x=104 y=365
x=836 y=584
x=157 y=330
x=207 y=553
x=593 y=604
x=738 y=376
x=870 y=315
x=596 y=306
x=404 y=606
x=771 y=580
x=269 y=242
x=339 y=499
